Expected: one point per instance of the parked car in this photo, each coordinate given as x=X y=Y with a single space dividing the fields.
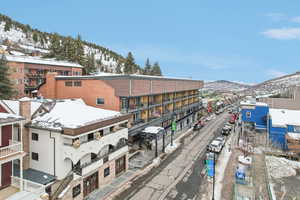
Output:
x=197 y=126
x=225 y=131
x=215 y=146
x=221 y=139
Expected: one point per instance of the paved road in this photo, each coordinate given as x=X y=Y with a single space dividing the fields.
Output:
x=178 y=176
x=189 y=186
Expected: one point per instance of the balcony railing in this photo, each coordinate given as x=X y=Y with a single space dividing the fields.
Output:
x=13 y=148
x=96 y=162
x=87 y=141
x=29 y=186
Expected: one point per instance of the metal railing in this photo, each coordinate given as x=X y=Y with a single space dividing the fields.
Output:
x=13 y=148
x=64 y=183
x=78 y=170
x=87 y=141
x=29 y=186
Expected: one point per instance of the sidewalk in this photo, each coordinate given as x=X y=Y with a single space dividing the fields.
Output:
x=122 y=182
x=106 y=190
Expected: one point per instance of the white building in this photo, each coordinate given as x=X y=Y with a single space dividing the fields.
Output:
x=76 y=147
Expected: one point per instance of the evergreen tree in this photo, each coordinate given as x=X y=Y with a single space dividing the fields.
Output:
x=55 y=49
x=147 y=68
x=35 y=37
x=90 y=66
x=156 y=71
x=129 y=65
x=69 y=50
x=79 y=55
x=8 y=25
x=6 y=87
x=118 y=68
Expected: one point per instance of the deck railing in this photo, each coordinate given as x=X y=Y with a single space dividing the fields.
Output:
x=29 y=186
x=13 y=148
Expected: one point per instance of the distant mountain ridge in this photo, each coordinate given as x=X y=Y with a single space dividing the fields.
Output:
x=279 y=84
x=225 y=86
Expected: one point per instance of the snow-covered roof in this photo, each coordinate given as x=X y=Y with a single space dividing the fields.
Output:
x=284 y=117
x=14 y=106
x=153 y=129
x=252 y=103
x=7 y=117
x=43 y=61
x=295 y=136
x=72 y=113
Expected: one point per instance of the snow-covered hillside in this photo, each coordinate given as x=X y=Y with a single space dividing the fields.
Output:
x=278 y=85
x=225 y=86
x=23 y=43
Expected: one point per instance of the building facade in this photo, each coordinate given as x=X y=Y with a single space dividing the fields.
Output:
x=255 y=113
x=284 y=126
x=74 y=145
x=11 y=147
x=284 y=103
x=27 y=72
x=151 y=100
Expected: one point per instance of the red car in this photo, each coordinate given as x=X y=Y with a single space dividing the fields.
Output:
x=233 y=118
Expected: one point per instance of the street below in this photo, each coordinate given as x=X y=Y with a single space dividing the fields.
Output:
x=179 y=175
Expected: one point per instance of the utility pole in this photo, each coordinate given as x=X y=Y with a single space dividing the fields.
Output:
x=174 y=126
x=156 y=150
x=213 y=196
x=164 y=133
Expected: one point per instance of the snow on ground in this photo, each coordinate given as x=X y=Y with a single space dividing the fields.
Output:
x=32 y=48
x=170 y=149
x=281 y=167
x=17 y=53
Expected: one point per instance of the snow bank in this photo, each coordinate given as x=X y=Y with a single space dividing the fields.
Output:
x=170 y=148
x=281 y=167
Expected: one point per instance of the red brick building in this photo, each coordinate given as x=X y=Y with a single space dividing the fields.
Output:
x=151 y=100
x=27 y=72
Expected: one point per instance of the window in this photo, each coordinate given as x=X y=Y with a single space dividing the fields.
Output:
x=90 y=136
x=296 y=128
x=77 y=83
x=111 y=129
x=69 y=83
x=35 y=136
x=101 y=133
x=76 y=190
x=100 y=101
x=248 y=114
x=34 y=156
x=106 y=172
x=76 y=73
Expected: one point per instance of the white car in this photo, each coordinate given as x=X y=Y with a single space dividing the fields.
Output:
x=216 y=146
x=221 y=139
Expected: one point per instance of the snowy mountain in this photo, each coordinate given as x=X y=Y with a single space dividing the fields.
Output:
x=225 y=86
x=278 y=85
x=20 y=39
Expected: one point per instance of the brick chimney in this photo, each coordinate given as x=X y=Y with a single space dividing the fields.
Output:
x=25 y=108
x=48 y=90
x=25 y=111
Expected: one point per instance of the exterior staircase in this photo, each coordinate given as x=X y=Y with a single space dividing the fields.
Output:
x=62 y=185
